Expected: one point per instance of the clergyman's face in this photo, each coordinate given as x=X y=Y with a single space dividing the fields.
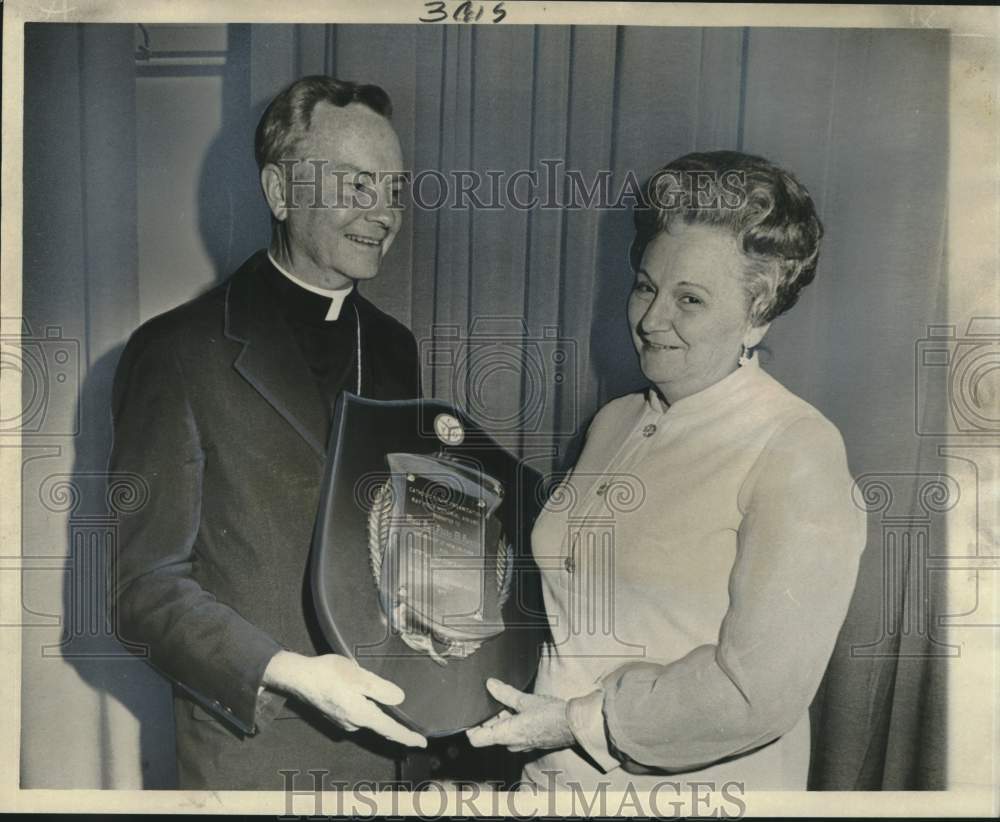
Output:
x=344 y=239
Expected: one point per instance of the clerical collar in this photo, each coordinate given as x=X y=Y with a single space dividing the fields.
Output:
x=335 y=295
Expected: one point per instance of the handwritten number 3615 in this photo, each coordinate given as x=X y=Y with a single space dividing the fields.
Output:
x=466 y=12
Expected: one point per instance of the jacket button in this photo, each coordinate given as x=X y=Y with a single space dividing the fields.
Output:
x=649 y=430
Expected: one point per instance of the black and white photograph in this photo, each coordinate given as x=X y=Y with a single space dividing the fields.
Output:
x=500 y=409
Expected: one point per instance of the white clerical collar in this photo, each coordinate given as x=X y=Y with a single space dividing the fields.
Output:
x=336 y=295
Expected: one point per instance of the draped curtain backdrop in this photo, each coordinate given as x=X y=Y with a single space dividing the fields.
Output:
x=140 y=191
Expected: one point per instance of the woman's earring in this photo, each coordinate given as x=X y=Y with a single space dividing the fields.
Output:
x=745 y=354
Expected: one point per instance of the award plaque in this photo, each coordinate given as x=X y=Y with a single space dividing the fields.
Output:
x=421 y=564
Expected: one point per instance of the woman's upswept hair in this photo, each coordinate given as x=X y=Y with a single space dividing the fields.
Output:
x=287 y=118
x=770 y=213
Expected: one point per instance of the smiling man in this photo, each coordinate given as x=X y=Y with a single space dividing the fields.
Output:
x=223 y=406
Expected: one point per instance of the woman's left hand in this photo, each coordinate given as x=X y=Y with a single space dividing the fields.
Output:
x=537 y=722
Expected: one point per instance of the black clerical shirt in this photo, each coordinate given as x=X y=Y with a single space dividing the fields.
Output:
x=329 y=347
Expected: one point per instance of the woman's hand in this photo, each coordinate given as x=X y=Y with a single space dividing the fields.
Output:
x=537 y=722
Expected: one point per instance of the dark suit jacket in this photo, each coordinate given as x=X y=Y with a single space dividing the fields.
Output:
x=215 y=408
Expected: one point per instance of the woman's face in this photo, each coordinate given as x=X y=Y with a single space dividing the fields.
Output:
x=688 y=309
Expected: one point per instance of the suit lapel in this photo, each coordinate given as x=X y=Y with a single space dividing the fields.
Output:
x=270 y=360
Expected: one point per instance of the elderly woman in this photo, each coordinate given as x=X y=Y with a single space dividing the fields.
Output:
x=699 y=560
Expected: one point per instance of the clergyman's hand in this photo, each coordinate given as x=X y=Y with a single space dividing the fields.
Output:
x=344 y=691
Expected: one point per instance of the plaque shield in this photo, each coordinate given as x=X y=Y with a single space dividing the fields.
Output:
x=421 y=566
